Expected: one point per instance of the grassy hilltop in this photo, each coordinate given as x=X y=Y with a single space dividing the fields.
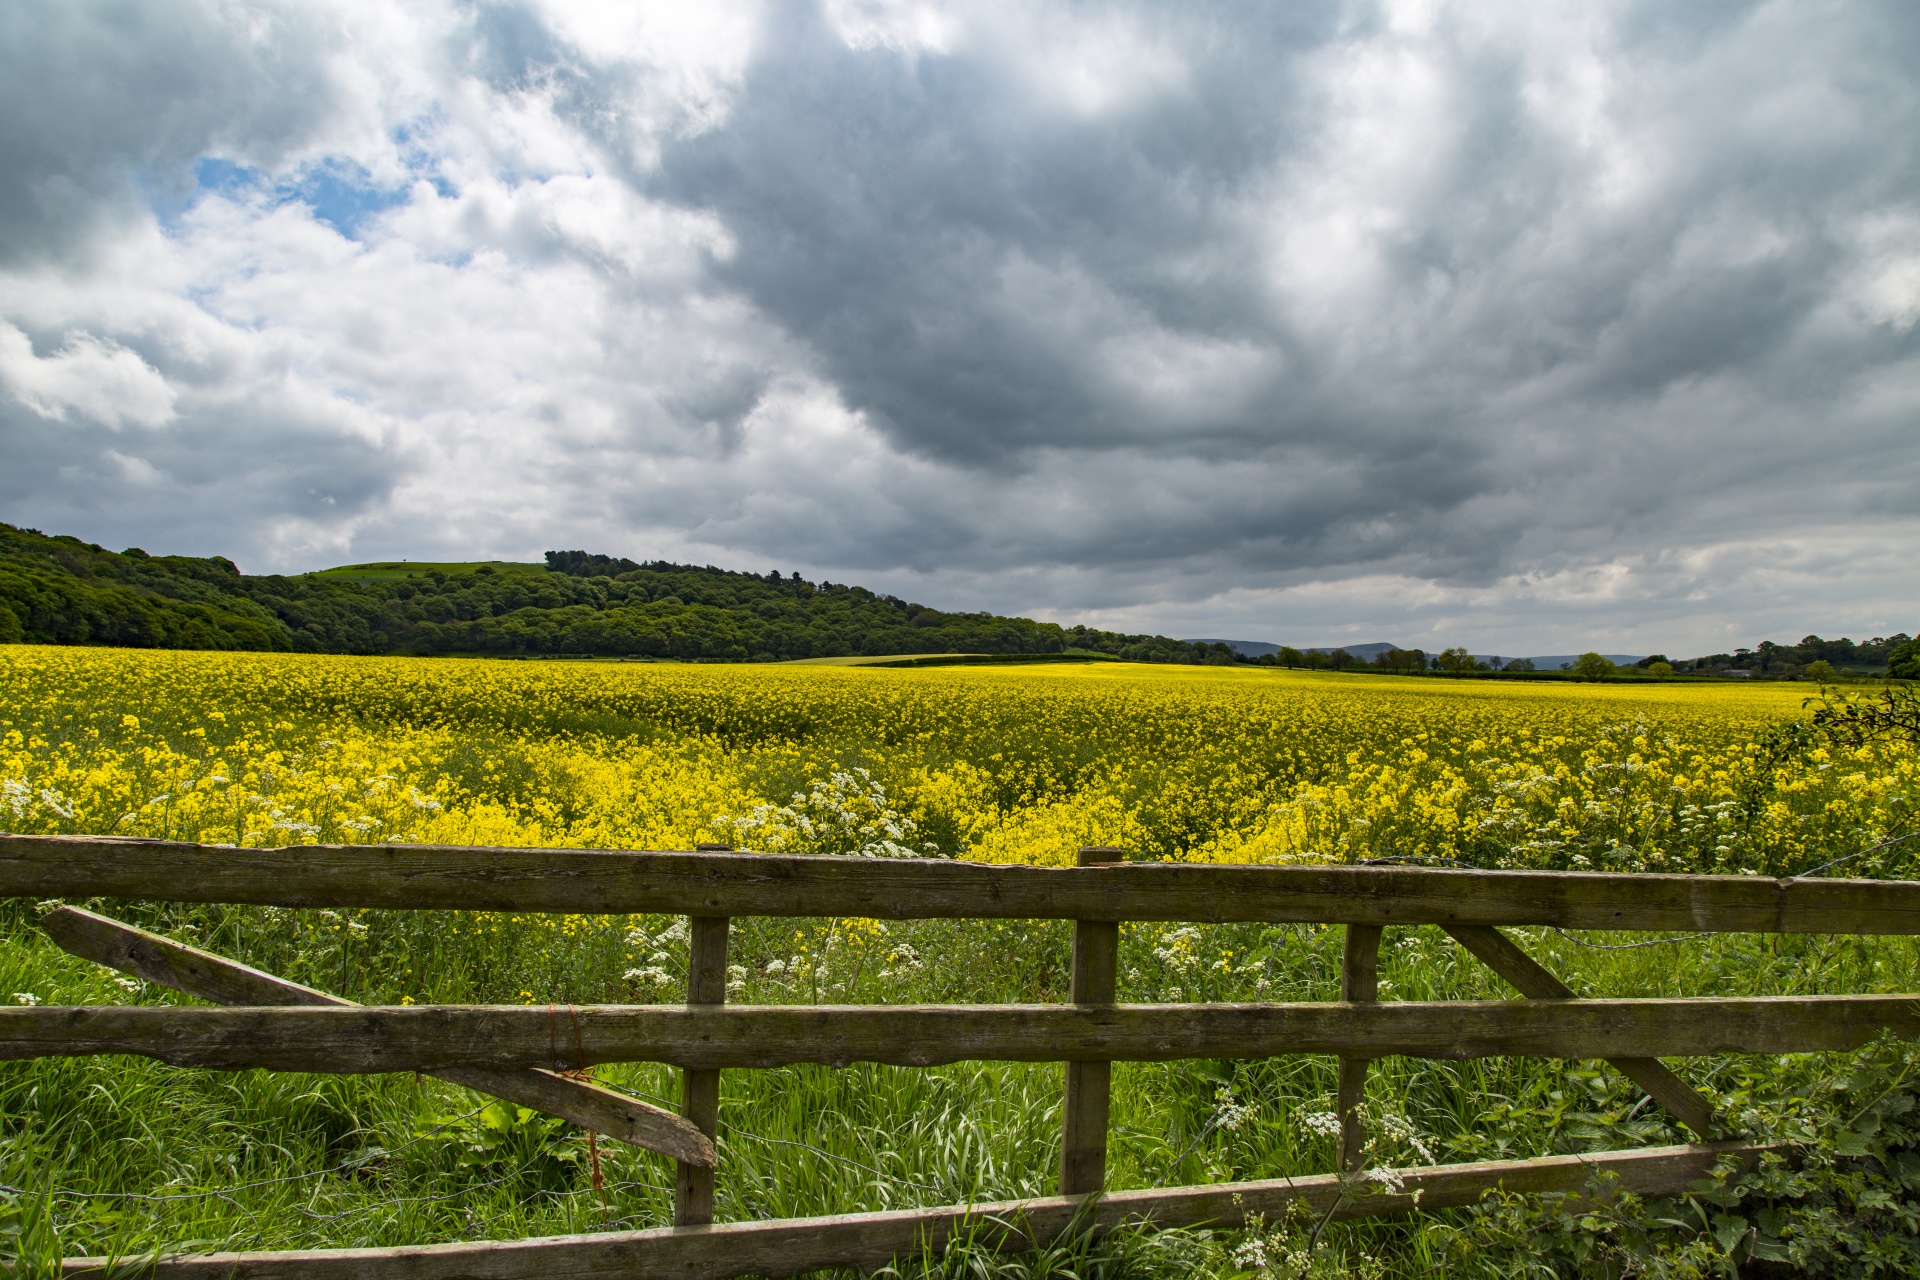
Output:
x=59 y=590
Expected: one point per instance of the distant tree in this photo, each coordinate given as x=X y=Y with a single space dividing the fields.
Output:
x=1903 y=661
x=1520 y=664
x=1819 y=669
x=1340 y=660
x=1652 y=658
x=1290 y=657
x=1591 y=666
x=1455 y=659
x=1402 y=660
x=1661 y=669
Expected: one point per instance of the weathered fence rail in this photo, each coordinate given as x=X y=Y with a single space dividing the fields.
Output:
x=366 y=1039
x=411 y=877
x=788 y=1246
x=514 y=1051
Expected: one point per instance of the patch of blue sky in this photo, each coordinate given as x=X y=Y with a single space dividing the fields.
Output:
x=340 y=193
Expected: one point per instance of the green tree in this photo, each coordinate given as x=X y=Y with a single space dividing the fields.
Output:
x=1402 y=660
x=1820 y=669
x=1661 y=669
x=1592 y=666
x=1455 y=659
x=1290 y=657
x=1903 y=661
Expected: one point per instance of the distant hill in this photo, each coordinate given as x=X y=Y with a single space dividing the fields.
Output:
x=1554 y=661
x=60 y=590
x=1367 y=651
x=1262 y=649
x=1245 y=648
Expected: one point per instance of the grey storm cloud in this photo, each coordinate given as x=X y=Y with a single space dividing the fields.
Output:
x=959 y=257
x=1527 y=322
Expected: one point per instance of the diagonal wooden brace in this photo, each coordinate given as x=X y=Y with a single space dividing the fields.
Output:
x=1527 y=976
x=167 y=963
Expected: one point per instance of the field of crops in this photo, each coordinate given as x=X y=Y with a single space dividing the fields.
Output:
x=997 y=764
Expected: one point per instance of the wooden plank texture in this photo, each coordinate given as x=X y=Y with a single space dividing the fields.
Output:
x=745 y=884
x=174 y=965
x=1527 y=976
x=1359 y=984
x=700 y=1086
x=1084 y=1110
x=867 y=1241
x=430 y=1037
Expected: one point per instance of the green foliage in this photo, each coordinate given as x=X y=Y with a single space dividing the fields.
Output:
x=64 y=591
x=29 y=1245
x=1903 y=660
x=1402 y=660
x=1854 y=720
x=508 y=1143
x=1592 y=666
x=1843 y=655
x=1842 y=1202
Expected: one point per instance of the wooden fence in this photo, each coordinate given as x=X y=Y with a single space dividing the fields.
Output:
x=512 y=1052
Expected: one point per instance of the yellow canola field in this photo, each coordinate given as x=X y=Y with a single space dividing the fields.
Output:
x=1015 y=765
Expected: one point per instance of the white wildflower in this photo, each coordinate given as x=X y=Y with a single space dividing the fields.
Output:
x=1228 y=1113
x=1324 y=1124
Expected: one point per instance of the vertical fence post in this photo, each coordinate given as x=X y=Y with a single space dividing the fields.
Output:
x=1096 y=963
x=700 y=1090
x=1359 y=984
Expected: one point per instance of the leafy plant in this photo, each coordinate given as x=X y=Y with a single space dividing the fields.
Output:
x=1843 y=1201
x=1892 y=715
x=512 y=1144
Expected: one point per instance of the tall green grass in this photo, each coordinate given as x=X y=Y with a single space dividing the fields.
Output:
x=125 y=1156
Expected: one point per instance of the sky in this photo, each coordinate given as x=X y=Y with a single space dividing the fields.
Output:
x=1529 y=327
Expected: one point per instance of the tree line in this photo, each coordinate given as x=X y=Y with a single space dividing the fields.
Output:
x=60 y=590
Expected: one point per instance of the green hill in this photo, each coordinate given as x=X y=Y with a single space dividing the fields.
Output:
x=60 y=590
x=394 y=570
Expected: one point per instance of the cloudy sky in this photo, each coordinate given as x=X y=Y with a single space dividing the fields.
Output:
x=1527 y=326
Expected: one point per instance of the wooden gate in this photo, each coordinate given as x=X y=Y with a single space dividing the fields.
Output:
x=502 y=1050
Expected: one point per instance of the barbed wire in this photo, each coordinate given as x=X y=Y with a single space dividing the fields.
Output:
x=731 y=1131
x=1859 y=853
x=367 y=1158
x=350 y=1165
x=1628 y=946
x=848 y=1160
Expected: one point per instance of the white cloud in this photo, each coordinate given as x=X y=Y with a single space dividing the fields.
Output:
x=96 y=378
